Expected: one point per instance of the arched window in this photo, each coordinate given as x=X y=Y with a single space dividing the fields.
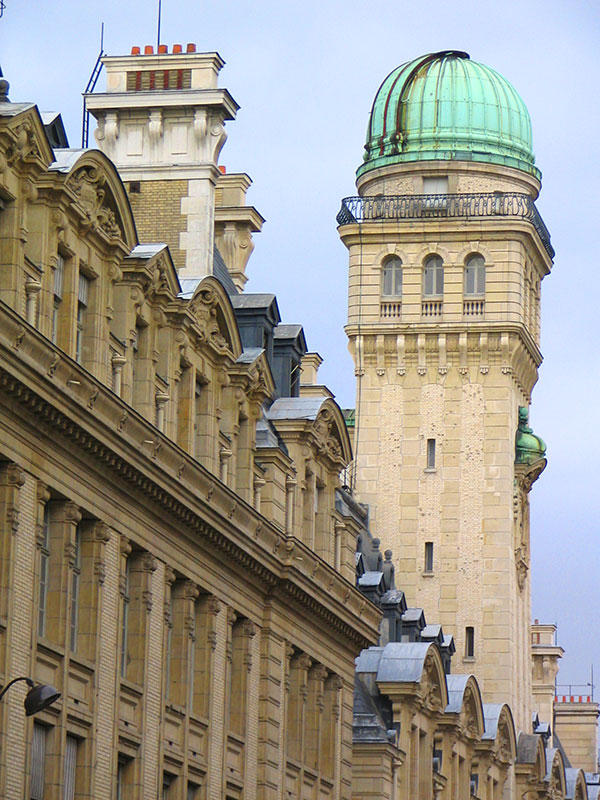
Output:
x=391 y=281
x=433 y=277
x=475 y=275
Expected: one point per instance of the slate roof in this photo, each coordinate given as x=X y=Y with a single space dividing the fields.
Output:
x=147 y=250
x=368 y=724
x=491 y=715
x=252 y=300
x=296 y=408
x=456 y=691
x=65 y=158
x=249 y=355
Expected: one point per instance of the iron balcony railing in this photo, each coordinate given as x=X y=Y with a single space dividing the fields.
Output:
x=437 y=206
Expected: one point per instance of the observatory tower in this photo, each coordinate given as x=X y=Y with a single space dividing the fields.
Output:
x=447 y=253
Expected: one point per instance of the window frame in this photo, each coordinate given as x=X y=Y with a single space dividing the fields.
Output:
x=434 y=266
x=479 y=276
x=428 y=557
x=430 y=453
x=392 y=266
x=44 y=572
x=469 y=641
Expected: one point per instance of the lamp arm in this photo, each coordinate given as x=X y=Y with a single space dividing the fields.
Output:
x=29 y=682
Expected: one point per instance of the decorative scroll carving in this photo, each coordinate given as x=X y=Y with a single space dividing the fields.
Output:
x=24 y=146
x=87 y=184
x=204 y=308
x=326 y=442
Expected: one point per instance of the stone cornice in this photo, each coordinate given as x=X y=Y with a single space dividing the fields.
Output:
x=505 y=345
x=51 y=389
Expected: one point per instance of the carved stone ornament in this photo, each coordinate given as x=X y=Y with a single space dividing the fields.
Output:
x=327 y=444
x=100 y=570
x=53 y=365
x=204 y=308
x=14 y=475
x=213 y=605
x=87 y=184
x=23 y=147
x=522 y=566
x=430 y=690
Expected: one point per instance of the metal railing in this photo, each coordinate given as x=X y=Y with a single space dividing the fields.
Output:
x=437 y=206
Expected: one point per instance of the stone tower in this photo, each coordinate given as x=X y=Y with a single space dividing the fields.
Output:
x=447 y=253
x=162 y=122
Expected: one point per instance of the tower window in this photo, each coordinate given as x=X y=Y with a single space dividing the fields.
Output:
x=392 y=277
x=433 y=277
x=430 y=453
x=475 y=276
x=428 y=566
x=469 y=642
x=437 y=185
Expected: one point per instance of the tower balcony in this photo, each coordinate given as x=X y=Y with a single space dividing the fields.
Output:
x=445 y=206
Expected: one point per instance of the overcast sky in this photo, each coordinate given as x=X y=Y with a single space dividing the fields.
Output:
x=305 y=75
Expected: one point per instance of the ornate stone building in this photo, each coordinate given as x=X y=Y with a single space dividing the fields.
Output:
x=172 y=558
x=447 y=252
x=177 y=554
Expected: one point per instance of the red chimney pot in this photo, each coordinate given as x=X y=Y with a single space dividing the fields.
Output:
x=148 y=50
x=191 y=48
x=162 y=48
x=135 y=51
x=177 y=48
x=222 y=169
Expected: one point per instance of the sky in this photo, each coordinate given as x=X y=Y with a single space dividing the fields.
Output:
x=305 y=75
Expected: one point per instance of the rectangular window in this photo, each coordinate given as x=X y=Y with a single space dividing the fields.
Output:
x=75 y=581
x=38 y=761
x=168 y=781
x=82 y=302
x=192 y=791
x=44 y=571
x=70 y=768
x=59 y=272
x=428 y=556
x=438 y=185
x=123 y=788
x=125 y=621
x=469 y=642
x=430 y=453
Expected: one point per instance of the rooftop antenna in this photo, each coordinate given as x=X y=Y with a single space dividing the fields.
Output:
x=158 y=25
x=91 y=85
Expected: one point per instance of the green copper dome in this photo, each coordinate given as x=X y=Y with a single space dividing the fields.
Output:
x=529 y=447
x=444 y=106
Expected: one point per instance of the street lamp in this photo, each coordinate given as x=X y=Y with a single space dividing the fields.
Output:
x=37 y=698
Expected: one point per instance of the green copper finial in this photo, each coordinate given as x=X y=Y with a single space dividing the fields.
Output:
x=529 y=447
x=445 y=106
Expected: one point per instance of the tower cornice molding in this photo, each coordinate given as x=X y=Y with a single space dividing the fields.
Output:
x=436 y=349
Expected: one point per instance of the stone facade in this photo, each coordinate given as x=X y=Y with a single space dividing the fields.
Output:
x=172 y=557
